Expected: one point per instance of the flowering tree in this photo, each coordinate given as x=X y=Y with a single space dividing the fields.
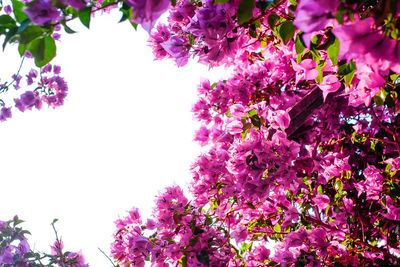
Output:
x=301 y=142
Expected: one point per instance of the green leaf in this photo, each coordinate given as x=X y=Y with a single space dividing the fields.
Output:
x=67 y=29
x=30 y=33
x=6 y=21
x=349 y=78
x=277 y=228
x=379 y=98
x=10 y=35
x=286 y=31
x=333 y=51
x=126 y=12
x=251 y=206
x=340 y=14
x=21 y=49
x=345 y=69
x=43 y=50
x=173 y=2
x=256 y=121
x=245 y=11
x=221 y=1
x=17 y=9
x=84 y=16
x=299 y=45
x=252 y=112
x=134 y=25
x=273 y=19
x=320 y=189
x=183 y=260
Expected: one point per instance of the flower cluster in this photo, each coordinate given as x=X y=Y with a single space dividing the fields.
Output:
x=15 y=250
x=301 y=141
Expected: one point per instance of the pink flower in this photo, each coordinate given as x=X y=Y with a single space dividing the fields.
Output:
x=240 y=234
x=314 y=15
x=146 y=12
x=5 y=113
x=77 y=4
x=322 y=201
x=42 y=12
x=178 y=49
x=330 y=84
x=357 y=38
x=234 y=127
x=393 y=212
x=305 y=70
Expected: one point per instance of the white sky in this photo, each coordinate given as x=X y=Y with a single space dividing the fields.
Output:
x=124 y=133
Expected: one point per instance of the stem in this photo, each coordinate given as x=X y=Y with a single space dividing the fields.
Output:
x=396 y=143
x=107 y=257
x=91 y=12
x=6 y=86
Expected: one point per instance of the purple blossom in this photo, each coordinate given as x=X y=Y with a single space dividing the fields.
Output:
x=7 y=256
x=330 y=84
x=77 y=4
x=5 y=113
x=357 y=38
x=42 y=12
x=305 y=70
x=314 y=15
x=146 y=12
x=28 y=100
x=177 y=48
x=8 y=9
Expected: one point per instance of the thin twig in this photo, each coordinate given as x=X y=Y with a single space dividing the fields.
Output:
x=108 y=257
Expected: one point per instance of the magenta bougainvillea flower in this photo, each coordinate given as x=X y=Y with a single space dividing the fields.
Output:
x=77 y=4
x=146 y=12
x=330 y=84
x=357 y=38
x=42 y=12
x=5 y=113
x=314 y=15
x=305 y=70
x=178 y=49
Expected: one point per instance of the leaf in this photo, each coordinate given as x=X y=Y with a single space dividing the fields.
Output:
x=173 y=2
x=10 y=34
x=251 y=206
x=379 y=98
x=30 y=33
x=256 y=121
x=84 y=16
x=43 y=50
x=273 y=19
x=349 y=78
x=286 y=31
x=299 y=45
x=252 y=112
x=126 y=12
x=245 y=11
x=67 y=29
x=320 y=189
x=345 y=69
x=21 y=49
x=17 y=9
x=134 y=25
x=7 y=21
x=277 y=228
x=333 y=51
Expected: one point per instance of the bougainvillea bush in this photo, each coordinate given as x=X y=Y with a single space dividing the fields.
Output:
x=301 y=143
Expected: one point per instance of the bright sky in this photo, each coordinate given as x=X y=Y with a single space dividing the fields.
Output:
x=124 y=133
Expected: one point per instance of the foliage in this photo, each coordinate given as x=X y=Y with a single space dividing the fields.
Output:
x=302 y=140
x=15 y=249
